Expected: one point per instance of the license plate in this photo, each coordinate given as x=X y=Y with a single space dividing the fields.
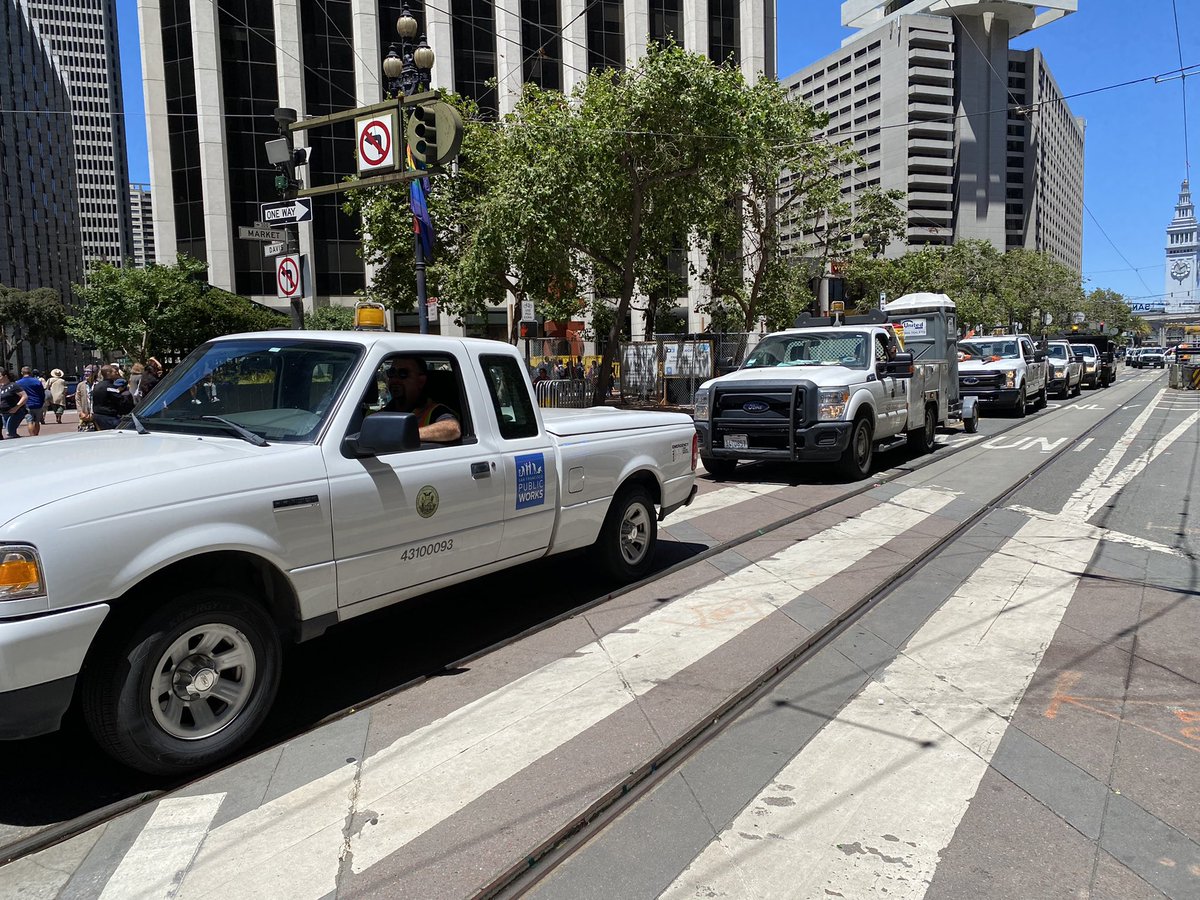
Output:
x=735 y=442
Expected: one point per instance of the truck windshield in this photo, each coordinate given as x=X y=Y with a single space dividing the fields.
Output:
x=1057 y=351
x=277 y=388
x=1001 y=348
x=811 y=348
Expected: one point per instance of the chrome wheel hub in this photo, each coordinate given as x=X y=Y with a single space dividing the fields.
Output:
x=634 y=530
x=203 y=681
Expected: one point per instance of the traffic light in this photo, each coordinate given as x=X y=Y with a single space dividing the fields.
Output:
x=423 y=136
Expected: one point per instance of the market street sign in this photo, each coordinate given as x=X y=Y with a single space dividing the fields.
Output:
x=260 y=234
x=287 y=212
x=274 y=249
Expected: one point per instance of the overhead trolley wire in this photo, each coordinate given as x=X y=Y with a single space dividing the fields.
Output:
x=1187 y=162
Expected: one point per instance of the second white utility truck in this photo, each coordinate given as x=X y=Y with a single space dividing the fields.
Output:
x=836 y=388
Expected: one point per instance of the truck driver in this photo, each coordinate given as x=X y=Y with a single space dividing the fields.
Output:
x=406 y=377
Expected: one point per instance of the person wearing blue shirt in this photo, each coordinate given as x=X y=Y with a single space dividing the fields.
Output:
x=35 y=399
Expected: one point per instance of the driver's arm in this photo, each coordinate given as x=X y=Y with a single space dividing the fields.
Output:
x=443 y=430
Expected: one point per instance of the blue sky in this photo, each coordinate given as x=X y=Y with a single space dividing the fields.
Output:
x=1135 y=156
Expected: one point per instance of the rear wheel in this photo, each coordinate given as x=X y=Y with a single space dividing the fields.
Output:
x=921 y=440
x=1042 y=399
x=855 y=462
x=971 y=422
x=719 y=468
x=186 y=687
x=628 y=536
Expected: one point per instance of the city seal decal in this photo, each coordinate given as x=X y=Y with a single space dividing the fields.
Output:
x=531 y=480
x=427 y=501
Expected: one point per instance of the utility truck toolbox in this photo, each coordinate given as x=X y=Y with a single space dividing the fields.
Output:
x=275 y=484
x=833 y=388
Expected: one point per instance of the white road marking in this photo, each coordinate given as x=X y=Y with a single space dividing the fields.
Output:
x=721 y=499
x=160 y=857
x=1083 y=445
x=867 y=807
x=293 y=847
x=923 y=733
x=1083 y=529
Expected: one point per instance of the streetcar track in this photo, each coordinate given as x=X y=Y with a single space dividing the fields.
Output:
x=569 y=839
x=642 y=781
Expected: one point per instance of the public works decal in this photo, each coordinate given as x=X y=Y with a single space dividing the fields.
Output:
x=531 y=480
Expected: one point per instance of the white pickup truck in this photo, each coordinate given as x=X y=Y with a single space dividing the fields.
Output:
x=263 y=493
x=1005 y=370
x=834 y=389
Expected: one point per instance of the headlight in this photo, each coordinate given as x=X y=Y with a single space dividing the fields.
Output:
x=20 y=573
x=832 y=404
x=1059 y=371
x=1010 y=378
x=701 y=404
x=1091 y=367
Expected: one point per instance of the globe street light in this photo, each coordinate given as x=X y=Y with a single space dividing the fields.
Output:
x=407 y=69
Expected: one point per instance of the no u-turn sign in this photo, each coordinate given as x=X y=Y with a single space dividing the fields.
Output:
x=289 y=283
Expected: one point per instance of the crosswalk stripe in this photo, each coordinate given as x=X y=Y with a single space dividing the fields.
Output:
x=872 y=801
x=721 y=499
x=165 y=847
x=294 y=846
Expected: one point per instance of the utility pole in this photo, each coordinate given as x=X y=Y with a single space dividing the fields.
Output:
x=283 y=154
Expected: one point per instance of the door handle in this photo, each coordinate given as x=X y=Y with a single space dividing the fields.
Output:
x=480 y=470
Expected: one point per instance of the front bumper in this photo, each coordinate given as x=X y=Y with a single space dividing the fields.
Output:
x=40 y=657
x=995 y=396
x=822 y=442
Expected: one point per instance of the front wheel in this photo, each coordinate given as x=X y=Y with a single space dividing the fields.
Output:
x=921 y=440
x=855 y=463
x=1022 y=402
x=1042 y=399
x=186 y=687
x=719 y=468
x=628 y=536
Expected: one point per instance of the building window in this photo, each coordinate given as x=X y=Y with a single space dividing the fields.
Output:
x=474 y=30
x=541 y=44
x=183 y=131
x=606 y=34
x=666 y=21
x=724 y=38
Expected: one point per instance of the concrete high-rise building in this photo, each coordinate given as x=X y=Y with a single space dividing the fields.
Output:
x=142 y=212
x=39 y=198
x=216 y=69
x=976 y=135
x=83 y=36
x=1183 y=257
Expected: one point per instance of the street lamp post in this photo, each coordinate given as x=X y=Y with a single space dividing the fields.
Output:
x=407 y=70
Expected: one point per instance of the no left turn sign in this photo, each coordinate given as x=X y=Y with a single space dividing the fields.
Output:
x=376 y=144
x=287 y=277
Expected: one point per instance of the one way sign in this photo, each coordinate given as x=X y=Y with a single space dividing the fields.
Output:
x=287 y=212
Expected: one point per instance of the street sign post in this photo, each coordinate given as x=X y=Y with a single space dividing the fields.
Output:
x=287 y=212
x=274 y=249
x=377 y=151
x=247 y=233
x=288 y=280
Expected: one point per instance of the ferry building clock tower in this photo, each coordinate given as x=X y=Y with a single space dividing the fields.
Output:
x=1183 y=257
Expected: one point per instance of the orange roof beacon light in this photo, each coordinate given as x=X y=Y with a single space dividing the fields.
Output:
x=370 y=316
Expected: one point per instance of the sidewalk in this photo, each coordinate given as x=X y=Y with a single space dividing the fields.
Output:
x=69 y=423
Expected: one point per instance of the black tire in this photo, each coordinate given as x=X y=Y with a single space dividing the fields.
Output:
x=971 y=424
x=719 y=468
x=855 y=463
x=1042 y=399
x=921 y=440
x=629 y=535
x=1021 y=407
x=118 y=684
x=1078 y=388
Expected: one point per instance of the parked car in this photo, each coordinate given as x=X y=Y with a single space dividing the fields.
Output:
x=1131 y=356
x=1090 y=357
x=1066 y=372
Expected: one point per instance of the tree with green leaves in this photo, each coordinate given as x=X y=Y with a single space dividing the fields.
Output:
x=161 y=309
x=29 y=316
x=330 y=318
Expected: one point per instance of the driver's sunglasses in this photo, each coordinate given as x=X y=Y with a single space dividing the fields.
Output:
x=398 y=373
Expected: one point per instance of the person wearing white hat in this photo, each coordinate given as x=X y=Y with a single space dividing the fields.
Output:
x=56 y=394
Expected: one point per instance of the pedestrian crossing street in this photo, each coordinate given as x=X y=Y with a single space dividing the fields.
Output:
x=891 y=776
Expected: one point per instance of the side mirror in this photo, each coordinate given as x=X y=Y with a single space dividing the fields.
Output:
x=1106 y=357
x=385 y=432
x=1039 y=355
x=900 y=367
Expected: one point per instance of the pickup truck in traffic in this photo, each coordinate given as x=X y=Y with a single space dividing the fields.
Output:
x=833 y=389
x=265 y=492
x=1004 y=370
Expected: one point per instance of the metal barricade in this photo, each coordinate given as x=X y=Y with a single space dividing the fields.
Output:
x=564 y=393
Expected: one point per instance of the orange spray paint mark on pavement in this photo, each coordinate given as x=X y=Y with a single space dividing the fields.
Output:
x=1068 y=680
